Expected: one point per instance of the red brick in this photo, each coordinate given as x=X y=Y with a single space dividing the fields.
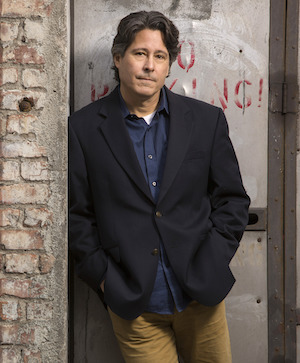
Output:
x=9 y=217
x=14 y=334
x=34 y=170
x=22 y=55
x=37 y=217
x=27 y=336
x=46 y=263
x=39 y=311
x=21 y=240
x=8 y=31
x=8 y=75
x=32 y=357
x=22 y=288
x=9 y=170
x=10 y=355
x=9 y=310
x=24 y=194
x=26 y=149
x=26 y=8
x=8 y=334
x=22 y=263
x=21 y=124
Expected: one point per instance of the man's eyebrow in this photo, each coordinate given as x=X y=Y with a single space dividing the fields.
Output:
x=146 y=50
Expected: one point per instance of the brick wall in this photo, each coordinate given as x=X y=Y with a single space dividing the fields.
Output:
x=34 y=107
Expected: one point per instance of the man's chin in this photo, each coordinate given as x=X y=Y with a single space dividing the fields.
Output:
x=146 y=89
x=147 y=93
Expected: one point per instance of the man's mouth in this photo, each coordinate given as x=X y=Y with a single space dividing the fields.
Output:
x=150 y=79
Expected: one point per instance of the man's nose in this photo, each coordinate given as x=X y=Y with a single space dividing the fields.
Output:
x=149 y=64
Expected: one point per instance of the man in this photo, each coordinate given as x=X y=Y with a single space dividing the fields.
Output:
x=157 y=205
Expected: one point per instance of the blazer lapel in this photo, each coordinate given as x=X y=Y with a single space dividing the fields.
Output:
x=178 y=142
x=116 y=135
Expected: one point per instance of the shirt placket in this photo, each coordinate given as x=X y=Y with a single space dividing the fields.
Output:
x=151 y=161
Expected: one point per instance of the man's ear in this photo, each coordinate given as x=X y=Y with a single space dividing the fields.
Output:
x=116 y=59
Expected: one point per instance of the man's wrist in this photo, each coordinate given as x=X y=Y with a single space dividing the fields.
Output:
x=102 y=285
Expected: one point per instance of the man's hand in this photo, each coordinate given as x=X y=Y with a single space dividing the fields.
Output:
x=102 y=285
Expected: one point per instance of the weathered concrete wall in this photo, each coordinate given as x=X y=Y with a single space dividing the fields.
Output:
x=34 y=109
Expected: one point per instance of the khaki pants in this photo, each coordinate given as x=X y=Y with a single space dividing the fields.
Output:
x=198 y=334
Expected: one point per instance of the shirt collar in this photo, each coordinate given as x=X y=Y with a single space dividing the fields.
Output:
x=163 y=103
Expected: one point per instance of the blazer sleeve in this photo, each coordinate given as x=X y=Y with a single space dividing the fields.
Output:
x=209 y=278
x=229 y=201
x=84 y=243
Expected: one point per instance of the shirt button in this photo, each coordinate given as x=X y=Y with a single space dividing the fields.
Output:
x=155 y=252
x=154 y=184
x=150 y=157
x=158 y=214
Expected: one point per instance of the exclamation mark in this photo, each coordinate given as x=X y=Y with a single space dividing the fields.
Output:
x=93 y=93
x=261 y=81
x=194 y=83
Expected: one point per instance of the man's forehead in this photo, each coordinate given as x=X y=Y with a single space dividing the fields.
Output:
x=145 y=40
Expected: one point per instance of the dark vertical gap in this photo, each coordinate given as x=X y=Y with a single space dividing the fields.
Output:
x=70 y=260
x=72 y=45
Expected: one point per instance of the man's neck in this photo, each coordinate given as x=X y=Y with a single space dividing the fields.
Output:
x=142 y=109
x=141 y=106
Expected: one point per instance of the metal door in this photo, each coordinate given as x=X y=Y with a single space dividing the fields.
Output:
x=224 y=60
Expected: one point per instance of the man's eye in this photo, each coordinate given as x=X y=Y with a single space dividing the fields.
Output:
x=140 y=53
x=160 y=56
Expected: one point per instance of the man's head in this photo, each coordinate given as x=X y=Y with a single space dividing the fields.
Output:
x=136 y=22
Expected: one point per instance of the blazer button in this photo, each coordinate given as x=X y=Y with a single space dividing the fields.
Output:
x=158 y=214
x=155 y=252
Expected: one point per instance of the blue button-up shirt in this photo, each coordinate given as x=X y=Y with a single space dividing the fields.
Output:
x=150 y=143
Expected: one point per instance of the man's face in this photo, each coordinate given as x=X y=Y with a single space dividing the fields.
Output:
x=144 y=67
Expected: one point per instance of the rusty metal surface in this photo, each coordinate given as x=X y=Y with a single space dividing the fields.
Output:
x=291 y=117
x=282 y=182
x=276 y=183
x=282 y=164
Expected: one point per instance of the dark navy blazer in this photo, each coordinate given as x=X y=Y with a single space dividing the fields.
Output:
x=116 y=226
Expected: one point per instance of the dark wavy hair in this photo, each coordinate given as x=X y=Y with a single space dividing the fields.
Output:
x=134 y=23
